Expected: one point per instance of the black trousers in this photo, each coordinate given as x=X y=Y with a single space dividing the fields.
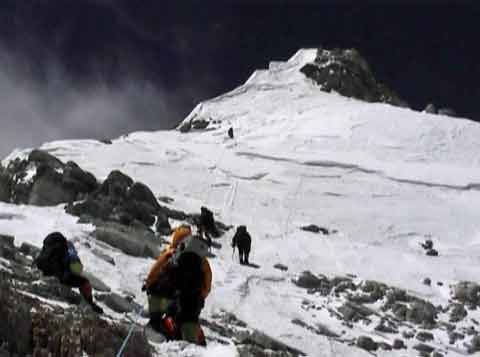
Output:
x=243 y=255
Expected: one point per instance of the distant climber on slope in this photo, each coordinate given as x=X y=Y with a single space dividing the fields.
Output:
x=206 y=225
x=59 y=258
x=177 y=286
x=243 y=241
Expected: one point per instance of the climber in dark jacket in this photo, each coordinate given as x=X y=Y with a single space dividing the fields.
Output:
x=59 y=258
x=206 y=223
x=243 y=241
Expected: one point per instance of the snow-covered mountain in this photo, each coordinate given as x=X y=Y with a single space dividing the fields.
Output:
x=380 y=179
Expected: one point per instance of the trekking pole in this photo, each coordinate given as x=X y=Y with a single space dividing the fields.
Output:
x=130 y=332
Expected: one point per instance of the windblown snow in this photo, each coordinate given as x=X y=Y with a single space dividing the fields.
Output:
x=385 y=178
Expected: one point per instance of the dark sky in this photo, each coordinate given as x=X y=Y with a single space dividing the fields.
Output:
x=101 y=68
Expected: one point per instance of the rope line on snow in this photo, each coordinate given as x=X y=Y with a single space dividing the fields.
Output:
x=130 y=332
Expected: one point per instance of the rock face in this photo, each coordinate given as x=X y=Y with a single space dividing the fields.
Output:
x=249 y=342
x=367 y=343
x=119 y=199
x=43 y=180
x=137 y=242
x=468 y=293
x=34 y=327
x=348 y=73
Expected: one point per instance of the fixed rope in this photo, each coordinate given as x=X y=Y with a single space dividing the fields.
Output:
x=130 y=332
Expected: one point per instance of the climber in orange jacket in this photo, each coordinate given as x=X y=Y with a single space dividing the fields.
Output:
x=178 y=291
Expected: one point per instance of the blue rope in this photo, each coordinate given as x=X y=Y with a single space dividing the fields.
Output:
x=130 y=332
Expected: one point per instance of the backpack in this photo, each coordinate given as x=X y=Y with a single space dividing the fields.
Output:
x=50 y=261
x=183 y=272
x=187 y=262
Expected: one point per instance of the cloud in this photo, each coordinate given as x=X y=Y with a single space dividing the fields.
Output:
x=35 y=111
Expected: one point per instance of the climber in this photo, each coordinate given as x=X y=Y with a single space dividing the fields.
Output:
x=243 y=241
x=230 y=133
x=206 y=223
x=59 y=258
x=177 y=286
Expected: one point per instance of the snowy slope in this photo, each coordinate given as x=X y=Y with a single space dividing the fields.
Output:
x=386 y=178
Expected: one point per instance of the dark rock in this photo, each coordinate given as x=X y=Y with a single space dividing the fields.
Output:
x=4 y=185
x=29 y=249
x=175 y=214
x=467 y=293
x=470 y=331
x=7 y=248
x=422 y=347
x=315 y=229
x=103 y=256
x=343 y=284
x=116 y=185
x=437 y=354
x=398 y=344
x=408 y=334
x=48 y=190
x=185 y=127
x=45 y=158
x=422 y=313
x=346 y=72
x=96 y=283
x=427 y=245
x=454 y=336
x=257 y=338
x=427 y=281
x=43 y=180
x=432 y=253
x=447 y=111
x=313 y=283
x=375 y=289
x=200 y=124
x=141 y=193
x=430 y=108
x=162 y=226
x=366 y=343
x=77 y=179
x=30 y=328
x=474 y=345
x=7 y=241
x=319 y=329
x=424 y=336
x=439 y=283
x=395 y=295
x=280 y=267
x=135 y=242
x=165 y=199
x=354 y=312
x=400 y=311
x=382 y=327
x=457 y=313
x=118 y=303
x=384 y=346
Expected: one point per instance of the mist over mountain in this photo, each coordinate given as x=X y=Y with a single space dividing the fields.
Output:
x=105 y=68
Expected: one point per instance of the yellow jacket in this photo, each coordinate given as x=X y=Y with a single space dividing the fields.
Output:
x=180 y=234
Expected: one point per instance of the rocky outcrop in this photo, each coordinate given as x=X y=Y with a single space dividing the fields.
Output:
x=348 y=73
x=138 y=242
x=468 y=293
x=431 y=109
x=32 y=326
x=249 y=341
x=43 y=180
